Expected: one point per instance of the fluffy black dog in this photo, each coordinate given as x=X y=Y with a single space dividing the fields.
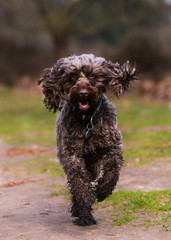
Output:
x=89 y=144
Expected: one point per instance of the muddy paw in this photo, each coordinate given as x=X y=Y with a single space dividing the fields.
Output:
x=85 y=221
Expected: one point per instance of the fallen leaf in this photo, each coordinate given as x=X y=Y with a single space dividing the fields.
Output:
x=17 y=171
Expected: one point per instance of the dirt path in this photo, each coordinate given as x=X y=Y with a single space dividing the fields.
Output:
x=29 y=211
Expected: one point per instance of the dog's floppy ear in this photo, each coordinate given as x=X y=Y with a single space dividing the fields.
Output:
x=51 y=84
x=121 y=76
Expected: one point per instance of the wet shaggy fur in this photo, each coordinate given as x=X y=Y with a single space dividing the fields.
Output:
x=89 y=144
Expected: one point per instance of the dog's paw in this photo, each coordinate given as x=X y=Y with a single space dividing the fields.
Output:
x=100 y=198
x=102 y=192
x=85 y=221
x=103 y=195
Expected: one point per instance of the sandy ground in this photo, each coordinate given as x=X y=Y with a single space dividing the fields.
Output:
x=29 y=211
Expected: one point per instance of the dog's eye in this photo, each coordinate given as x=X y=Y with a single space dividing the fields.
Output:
x=91 y=76
x=73 y=77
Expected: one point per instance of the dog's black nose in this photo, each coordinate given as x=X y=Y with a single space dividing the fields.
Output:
x=83 y=93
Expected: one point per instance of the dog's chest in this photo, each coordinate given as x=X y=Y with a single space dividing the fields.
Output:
x=83 y=137
x=101 y=136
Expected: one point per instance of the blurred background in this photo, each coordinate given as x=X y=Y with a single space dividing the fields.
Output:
x=35 y=33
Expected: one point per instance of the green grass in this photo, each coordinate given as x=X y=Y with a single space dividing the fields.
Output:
x=137 y=113
x=146 y=129
x=43 y=165
x=39 y=165
x=141 y=208
x=24 y=120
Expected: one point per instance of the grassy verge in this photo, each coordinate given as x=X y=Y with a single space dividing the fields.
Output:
x=24 y=119
x=41 y=164
x=145 y=125
x=141 y=208
x=146 y=129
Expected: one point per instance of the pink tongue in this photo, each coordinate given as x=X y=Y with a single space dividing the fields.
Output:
x=83 y=106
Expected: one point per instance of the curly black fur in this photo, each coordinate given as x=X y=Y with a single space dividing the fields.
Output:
x=76 y=86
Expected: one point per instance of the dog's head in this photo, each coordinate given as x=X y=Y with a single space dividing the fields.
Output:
x=82 y=80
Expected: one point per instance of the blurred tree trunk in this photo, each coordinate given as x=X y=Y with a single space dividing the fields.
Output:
x=52 y=21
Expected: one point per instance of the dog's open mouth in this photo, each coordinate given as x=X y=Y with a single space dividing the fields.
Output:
x=83 y=100
x=83 y=104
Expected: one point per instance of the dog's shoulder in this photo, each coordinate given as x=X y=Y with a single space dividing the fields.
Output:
x=108 y=112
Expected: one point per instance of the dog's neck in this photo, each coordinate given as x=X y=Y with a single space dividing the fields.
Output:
x=88 y=119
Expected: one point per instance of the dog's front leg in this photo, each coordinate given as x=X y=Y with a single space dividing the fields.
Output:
x=111 y=164
x=80 y=188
